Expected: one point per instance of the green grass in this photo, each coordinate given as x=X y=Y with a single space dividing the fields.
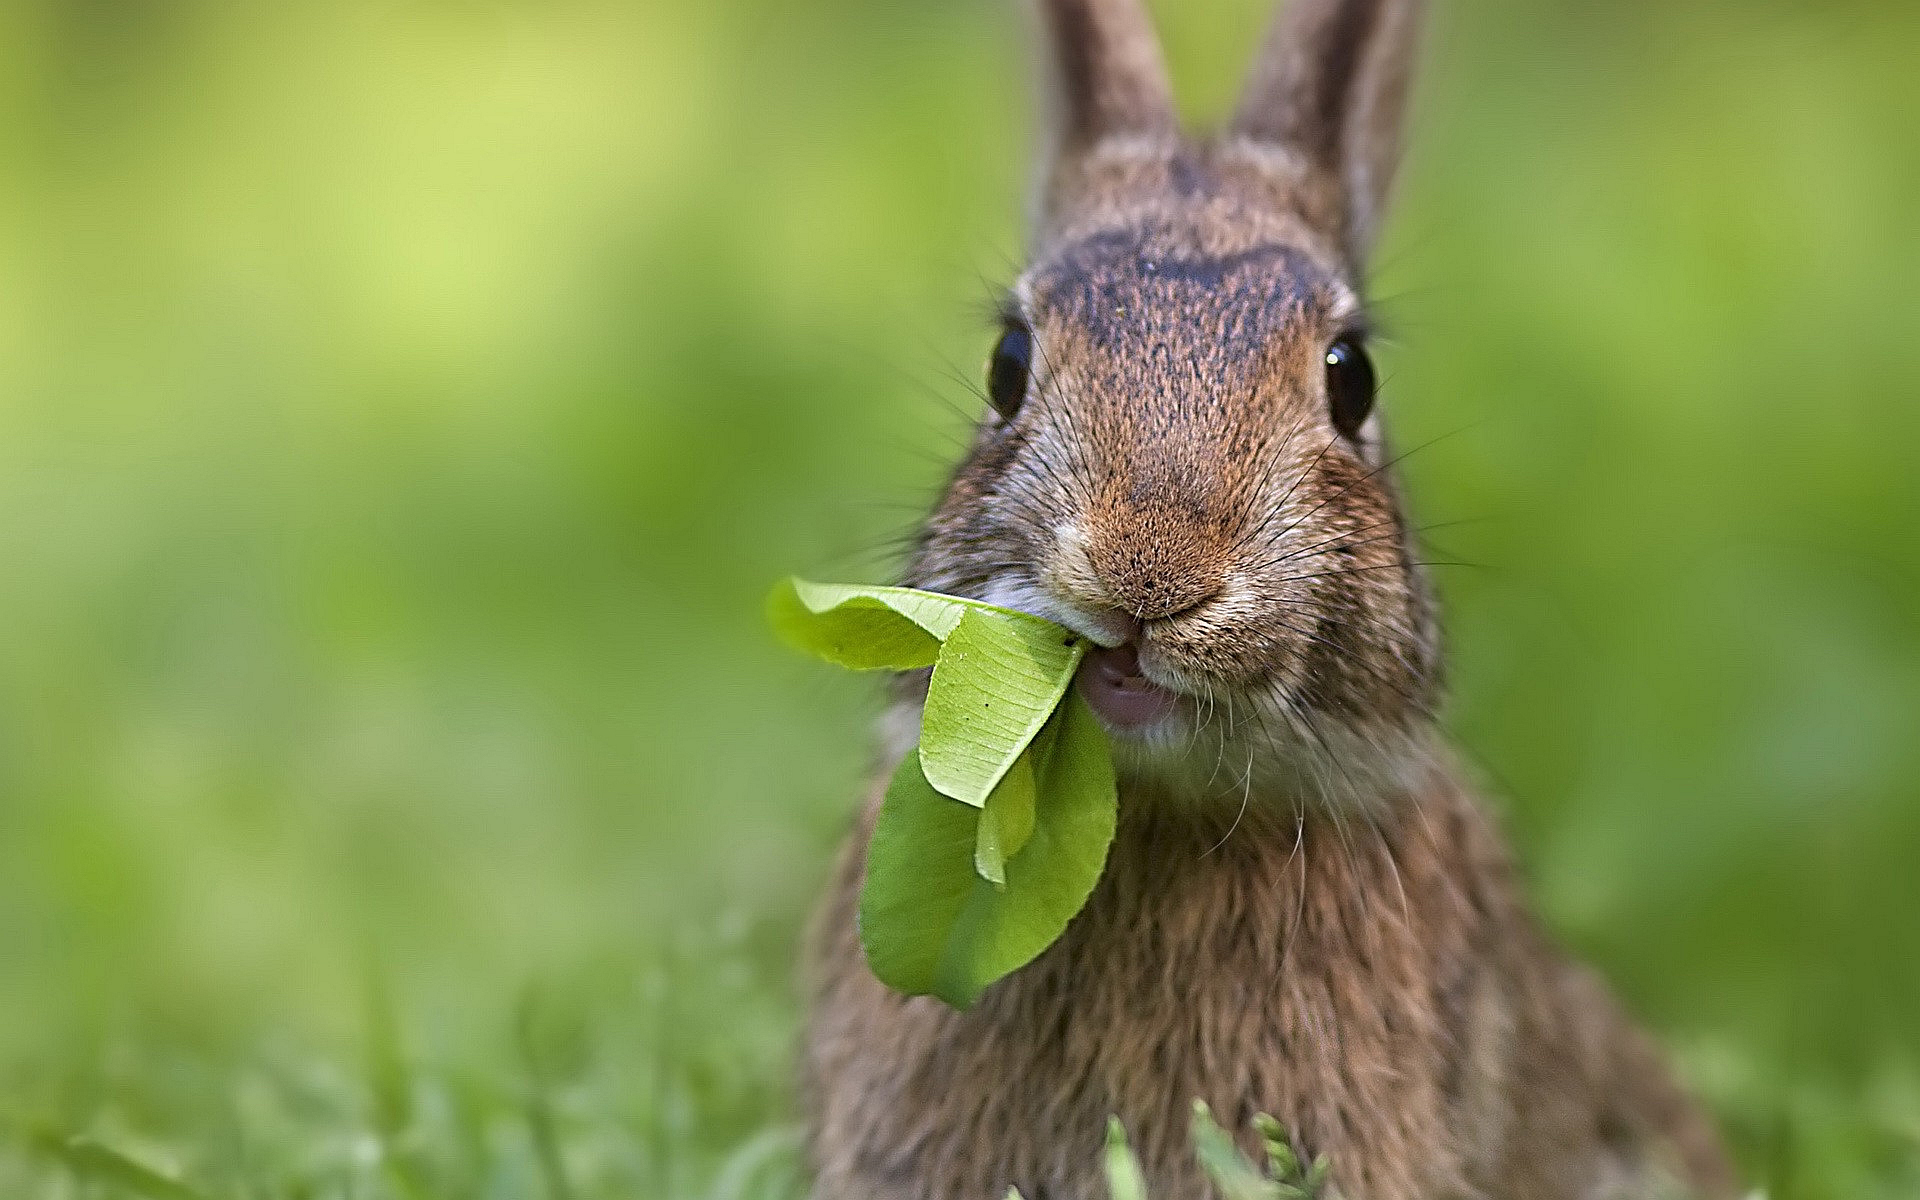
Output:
x=405 y=407
x=637 y=1099
x=633 y=1083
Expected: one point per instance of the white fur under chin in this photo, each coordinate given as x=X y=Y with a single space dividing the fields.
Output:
x=1277 y=765
x=1256 y=751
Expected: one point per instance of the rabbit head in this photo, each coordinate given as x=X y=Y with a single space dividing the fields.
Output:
x=1182 y=460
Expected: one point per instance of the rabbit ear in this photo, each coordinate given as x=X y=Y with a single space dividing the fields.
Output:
x=1106 y=77
x=1331 y=87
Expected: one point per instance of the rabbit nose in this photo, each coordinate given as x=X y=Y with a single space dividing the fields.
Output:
x=1118 y=584
x=1153 y=589
x=1155 y=574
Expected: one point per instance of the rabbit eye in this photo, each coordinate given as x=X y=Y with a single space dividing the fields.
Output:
x=1349 y=385
x=1008 y=369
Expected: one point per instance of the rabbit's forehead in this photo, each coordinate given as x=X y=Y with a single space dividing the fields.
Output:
x=1152 y=289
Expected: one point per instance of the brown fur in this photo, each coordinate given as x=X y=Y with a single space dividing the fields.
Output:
x=1379 y=988
x=1304 y=911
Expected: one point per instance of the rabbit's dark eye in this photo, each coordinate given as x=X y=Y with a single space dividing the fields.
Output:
x=1007 y=370
x=1349 y=385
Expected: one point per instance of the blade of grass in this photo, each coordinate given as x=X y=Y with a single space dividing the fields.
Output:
x=94 y=1162
x=1124 y=1180
x=538 y=1112
x=1221 y=1159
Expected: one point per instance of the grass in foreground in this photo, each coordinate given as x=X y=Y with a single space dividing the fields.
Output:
x=669 y=1082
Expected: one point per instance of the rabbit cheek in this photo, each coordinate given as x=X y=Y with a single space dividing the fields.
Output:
x=1363 y=652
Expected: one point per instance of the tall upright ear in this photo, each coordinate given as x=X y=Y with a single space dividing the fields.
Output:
x=1331 y=86
x=1105 y=78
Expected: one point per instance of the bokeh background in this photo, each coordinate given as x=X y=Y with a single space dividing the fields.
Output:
x=404 y=407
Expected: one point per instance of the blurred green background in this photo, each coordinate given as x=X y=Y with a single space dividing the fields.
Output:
x=404 y=406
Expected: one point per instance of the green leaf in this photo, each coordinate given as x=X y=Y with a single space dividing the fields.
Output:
x=956 y=898
x=913 y=895
x=931 y=924
x=999 y=677
x=1006 y=822
x=867 y=629
x=1124 y=1179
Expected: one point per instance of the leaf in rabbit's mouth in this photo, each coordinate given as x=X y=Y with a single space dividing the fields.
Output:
x=995 y=828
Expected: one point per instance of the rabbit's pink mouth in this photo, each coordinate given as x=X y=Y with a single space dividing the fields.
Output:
x=1118 y=691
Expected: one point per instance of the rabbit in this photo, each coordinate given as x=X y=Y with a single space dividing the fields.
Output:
x=1305 y=911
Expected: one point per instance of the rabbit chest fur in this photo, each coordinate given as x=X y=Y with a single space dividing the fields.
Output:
x=1375 y=986
x=1305 y=911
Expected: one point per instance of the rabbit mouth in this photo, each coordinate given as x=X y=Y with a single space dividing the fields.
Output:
x=1135 y=702
x=1120 y=693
